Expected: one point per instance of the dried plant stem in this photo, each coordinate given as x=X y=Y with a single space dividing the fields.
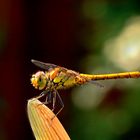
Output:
x=42 y=124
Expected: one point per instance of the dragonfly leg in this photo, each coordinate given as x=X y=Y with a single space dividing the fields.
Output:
x=48 y=98
x=61 y=103
x=43 y=93
x=54 y=100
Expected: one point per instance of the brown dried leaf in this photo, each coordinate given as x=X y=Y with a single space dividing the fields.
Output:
x=44 y=128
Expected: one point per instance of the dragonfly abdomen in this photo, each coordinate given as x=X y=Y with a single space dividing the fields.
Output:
x=112 y=76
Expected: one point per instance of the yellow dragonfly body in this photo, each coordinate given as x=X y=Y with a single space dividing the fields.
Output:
x=56 y=77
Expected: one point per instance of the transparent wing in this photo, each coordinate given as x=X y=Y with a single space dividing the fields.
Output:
x=96 y=83
x=46 y=66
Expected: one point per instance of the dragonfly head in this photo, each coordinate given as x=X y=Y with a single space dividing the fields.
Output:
x=39 y=80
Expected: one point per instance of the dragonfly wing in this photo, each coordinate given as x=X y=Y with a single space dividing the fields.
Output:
x=96 y=83
x=46 y=66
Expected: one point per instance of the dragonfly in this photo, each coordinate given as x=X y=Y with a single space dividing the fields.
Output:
x=55 y=78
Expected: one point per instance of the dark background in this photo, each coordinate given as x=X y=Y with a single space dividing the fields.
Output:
x=71 y=34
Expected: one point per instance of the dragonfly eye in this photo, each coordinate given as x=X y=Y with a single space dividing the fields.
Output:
x=39 y=80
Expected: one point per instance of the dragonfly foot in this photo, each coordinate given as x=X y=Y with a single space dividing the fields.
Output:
x=53 y=117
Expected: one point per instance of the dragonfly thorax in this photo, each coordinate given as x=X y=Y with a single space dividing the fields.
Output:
x=39 y=80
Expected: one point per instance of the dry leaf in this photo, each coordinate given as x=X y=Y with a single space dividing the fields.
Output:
x=44 y=128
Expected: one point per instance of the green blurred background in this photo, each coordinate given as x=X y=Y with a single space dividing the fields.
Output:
x=88 y=36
